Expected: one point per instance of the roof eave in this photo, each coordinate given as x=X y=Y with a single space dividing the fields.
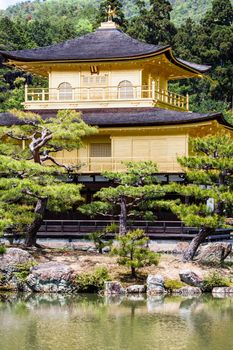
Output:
x=6 y=55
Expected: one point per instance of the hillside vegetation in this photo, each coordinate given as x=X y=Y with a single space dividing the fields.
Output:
x=182 y=9
x=205 y=38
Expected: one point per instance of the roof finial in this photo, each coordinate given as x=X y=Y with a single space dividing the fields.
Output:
x=111 y=13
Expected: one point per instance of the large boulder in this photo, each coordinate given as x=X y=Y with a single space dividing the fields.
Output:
x=155 y=285
x=113 y=288
x=191 y=278
x=51 y=278
x=14 y=263
x=214 y=253
x=13 y=258
x=136 y=289
x=187 y=291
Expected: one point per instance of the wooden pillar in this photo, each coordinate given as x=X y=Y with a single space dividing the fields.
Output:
x=26 y=93
x=153 y=89
x=187 y=102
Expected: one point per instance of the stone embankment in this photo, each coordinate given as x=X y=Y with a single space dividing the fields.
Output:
x=19 y=271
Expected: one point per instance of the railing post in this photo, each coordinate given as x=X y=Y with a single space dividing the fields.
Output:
x=178 y=101
x=43 y=95
x=164 y=227
x=187 y=102
x=26 y=92
x=153 y=89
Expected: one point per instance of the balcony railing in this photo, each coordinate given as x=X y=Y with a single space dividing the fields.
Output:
x=82 y=95
x=100 y=164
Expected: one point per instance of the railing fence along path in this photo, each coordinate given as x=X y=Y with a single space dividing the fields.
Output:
x=73 y=229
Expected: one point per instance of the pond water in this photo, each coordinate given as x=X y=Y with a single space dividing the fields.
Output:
x=58 y=322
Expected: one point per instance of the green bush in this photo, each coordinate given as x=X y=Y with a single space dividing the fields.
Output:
x=133 y=251
x=24 y=270
x=93 y=282
x=214 y=279
x=170 y=284
x=2 y=249
x=99 y=240
x=112 y=228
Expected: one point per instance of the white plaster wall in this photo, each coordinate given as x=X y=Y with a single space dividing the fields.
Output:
x=58 y=77
x=134 y=76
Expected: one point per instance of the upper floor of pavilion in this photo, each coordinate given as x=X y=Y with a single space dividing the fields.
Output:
x=104 y=69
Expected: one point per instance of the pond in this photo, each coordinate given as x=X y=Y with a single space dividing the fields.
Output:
x=59 y=322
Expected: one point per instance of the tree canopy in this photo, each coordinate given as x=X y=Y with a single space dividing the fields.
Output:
x=131 y=194
x=32 y=180
x=209 y=187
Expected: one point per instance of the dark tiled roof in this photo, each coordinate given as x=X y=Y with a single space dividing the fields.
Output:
x=117 y=117
x=103 y=44
x=199 y=67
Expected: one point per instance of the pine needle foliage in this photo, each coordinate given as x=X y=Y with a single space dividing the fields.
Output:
x=32 y=180
x=209 y=175
x=130 y=195
x=133 y=252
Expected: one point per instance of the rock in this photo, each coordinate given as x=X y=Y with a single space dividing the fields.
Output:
x=222 y=292
x=187 y=291
x=12 y=262
x=180 y=248
x=106 y=249
x=51 y=278
x=12 y=258
x=214 y=253
x=92 y=250
x=155 y=285
x=113 y=288
x=136 y=289
x=191 y=278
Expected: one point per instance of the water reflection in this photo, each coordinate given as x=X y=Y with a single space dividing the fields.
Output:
x=44 y=322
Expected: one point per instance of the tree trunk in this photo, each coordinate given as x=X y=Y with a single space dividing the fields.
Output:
x=133 y=272
x=193 y=246
x=36 y=156
x=123 y=218
x=31 y=235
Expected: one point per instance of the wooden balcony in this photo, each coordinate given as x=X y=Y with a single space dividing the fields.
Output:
x=100 y=97
x=101 y=164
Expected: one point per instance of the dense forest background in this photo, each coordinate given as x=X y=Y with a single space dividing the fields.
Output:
x=198 y=30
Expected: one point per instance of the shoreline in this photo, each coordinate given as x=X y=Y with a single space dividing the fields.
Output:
x=58 y=270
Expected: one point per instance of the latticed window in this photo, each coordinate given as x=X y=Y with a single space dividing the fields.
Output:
x=65 y=91
x=125 y=89
x=100 y=150
x=94 y=80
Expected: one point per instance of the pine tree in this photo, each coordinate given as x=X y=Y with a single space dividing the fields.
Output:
x=133 y=251
x=32 y=180
x=153 y=25
x=131 y=194
x=209 y=42
x=209 y=179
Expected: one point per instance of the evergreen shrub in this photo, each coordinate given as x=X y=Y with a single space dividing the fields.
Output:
x=93 y=282
x=214 y=279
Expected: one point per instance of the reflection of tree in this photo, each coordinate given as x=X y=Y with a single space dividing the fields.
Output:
x=31 y=337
